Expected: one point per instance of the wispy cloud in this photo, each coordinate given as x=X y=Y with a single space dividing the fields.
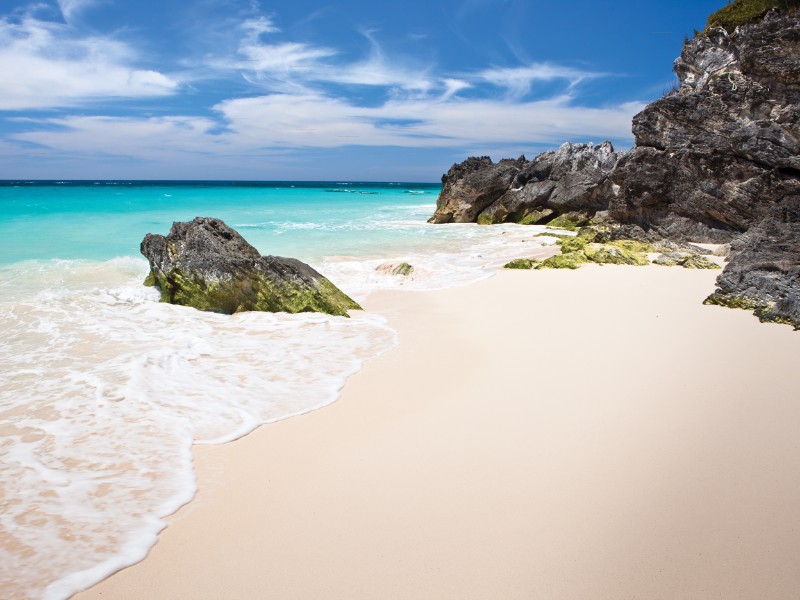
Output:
x=71 y=8
x=302 y=97
x=283 y=121
x=290 y=65
x=519 y=80
x=151 y=138
x=46 y=65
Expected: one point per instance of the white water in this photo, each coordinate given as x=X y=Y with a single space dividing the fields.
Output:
x=103 y=390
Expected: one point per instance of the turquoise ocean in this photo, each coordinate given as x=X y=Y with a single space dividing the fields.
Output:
x=103 y=389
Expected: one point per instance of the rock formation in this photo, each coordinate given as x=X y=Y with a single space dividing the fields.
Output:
x=573 y=178
x=717 y=160
x=715 y=156
x=764 y=272
x=209 y=266
x=721 y=157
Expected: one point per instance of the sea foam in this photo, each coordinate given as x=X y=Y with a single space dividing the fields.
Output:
x=103 y=389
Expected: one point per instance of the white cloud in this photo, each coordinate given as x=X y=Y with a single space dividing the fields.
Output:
x=320 y=121
x=303 y=101
x=145 y=138
x=44 y=65
x=70 y=8
x=282 y=58
x=518 y=80
x=277 y=122
x=292 y=65
x=453 y=86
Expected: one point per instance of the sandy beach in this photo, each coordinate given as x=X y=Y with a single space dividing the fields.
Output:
x=541 y=434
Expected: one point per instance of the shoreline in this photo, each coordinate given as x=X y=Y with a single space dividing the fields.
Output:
x=597 y=433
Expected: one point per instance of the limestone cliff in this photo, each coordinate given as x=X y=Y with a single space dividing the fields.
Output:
x=712 y=158
x=717 y=160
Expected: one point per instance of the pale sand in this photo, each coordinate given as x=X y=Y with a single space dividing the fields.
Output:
x=549 y=434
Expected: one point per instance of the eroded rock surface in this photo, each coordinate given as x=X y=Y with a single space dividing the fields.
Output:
x=574 y=178
x=717 y=160
x=209 y=266
x=764 y=272
x=715 y=156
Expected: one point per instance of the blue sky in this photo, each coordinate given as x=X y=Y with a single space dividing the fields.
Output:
x=309 y=90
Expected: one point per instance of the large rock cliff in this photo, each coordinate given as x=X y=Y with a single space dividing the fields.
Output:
x=716 y=160
x=713 y=157
x=719 y=160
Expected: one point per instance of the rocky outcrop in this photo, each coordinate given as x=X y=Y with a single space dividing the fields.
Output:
x=764 y=272
x=209 y=266
x=717 y=160
x=714 y=157
x=573 y=178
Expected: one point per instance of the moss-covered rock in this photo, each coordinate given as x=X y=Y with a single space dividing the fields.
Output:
x=535 y=216
x=520 y=263
x=572 y=260
x=486 y=218
x=669 y=259
x=572 y=244
x=595 y=233
x=698 y=262
x=607 y=254
x=403 y=269
x=685 y=260
x=632 y=246
x=570 y=221
x=557 y=236
x=585 y=247
x=741 y=12
x=766 y=313
x=207 y=265
x=732 y=301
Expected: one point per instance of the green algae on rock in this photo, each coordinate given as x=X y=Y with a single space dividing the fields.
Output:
x=741 y=12
x=572 y=244
x=557 y=236
x=572 y=260
x=687 y=261
x=535 y=216
x=207 y=265
x=403 y=269
x=520 y=263
x=766 y=312
x=698 y=262
x=570 y=221
x=608 y=254
x=593 y=244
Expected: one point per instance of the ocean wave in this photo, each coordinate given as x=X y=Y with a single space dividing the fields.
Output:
x=104 y=390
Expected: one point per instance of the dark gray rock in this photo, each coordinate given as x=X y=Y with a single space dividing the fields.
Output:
x=717 y=160
x=574 y=178
x=712 y=157
x=721 y=156
x=209 y=266
x=764 y=271
x=471 y=186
